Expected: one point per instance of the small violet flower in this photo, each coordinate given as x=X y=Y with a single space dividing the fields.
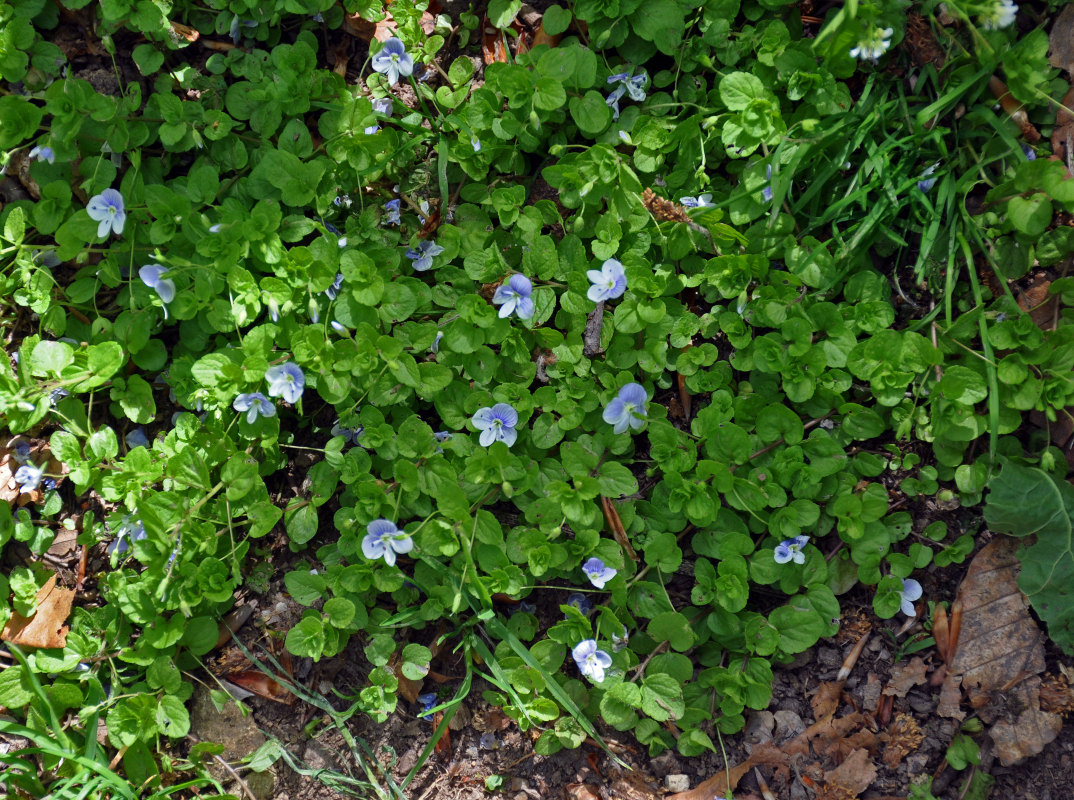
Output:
x=609 y=282
x=428 y=703
x=497 y=424
x=619 y=642
x=151 y=277
x=43 y=154
x=333 y=291
x=791 y=550
x=627 y=409
x=911 y=591
x=384 y=540
x=434 y=348
x=136 y=438
x=286 y=380
x=254 y=404
x=381 y=105
x=515 y=297
x=873 y=45
x=130 y=530
x=392 y=60
x=234 y=29
x=766 y=192
x=580 y=601
x=106 y=208
x=597 y=573
x=591 y=661
x=701 y=201
x=22 y=452
x=29 y=478
x=1000 y=15
x=349 y=434
x=627 y=85
x=476 y=144
x=392 y=207
x=424 y=254
x=927 y=181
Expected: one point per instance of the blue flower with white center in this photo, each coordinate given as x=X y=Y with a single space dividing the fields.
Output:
x=130 y=530
x=255 y=405
x=633 y=86
x=476 y=144
x=28 y=477
x=1001 y=15
x=424 y=254
x=393 y=62
x=56 y=395
x=136 y=438
x=928 y=180
x=515 y=297
x=627 y=409
x=45 y=153
x=286 y=380
x=791 y=550
x=609 y=282
x=911 y=591
x=107 y=209
x=580 y=601
x=22 y=452
x=701 y=201
x=381 y=105
x=392 y=207
x=434 y=348
x=873 y=44
x=619 y=642
x=591 y=661
x=384 y=540
x=497 y=424
x=152 y=276
x=597 y=573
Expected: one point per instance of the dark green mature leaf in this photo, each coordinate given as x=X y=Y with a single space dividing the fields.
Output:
x=1024 y=502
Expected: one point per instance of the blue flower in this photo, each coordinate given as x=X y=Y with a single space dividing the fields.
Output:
x=701 y=201
x=136 y=438
x=497 y=424
x=766 y=192
x=151 y=277
x=286 y=380
x=609 y=282
x=392 y=207
x=130 y=530
x=514 y=297
x=1001 y=15
x=332 y=291
x=43 y=154
x=424 y=255
x=254 y=404
x=107 y=209
x=382 y=105
x=580 y=601
x=591 y=661
x=927 y=179
x=627 y=85
x=911 y=591
x=874 y=44
x=29 y=478
x=597 y=573
x=234 y=29
x=384 y=540
x=619 y=642
x=1031 y=154
x=22 y=452
x=428 y=703
x=349 y=434
x=393 y=61
x=434 y=348
x=627 y=410
x=475 y=143
x=791 y=550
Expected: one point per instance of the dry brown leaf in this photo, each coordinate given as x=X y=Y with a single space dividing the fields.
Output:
x=825 y=700
x=1014 y=108
x=46 y=627
x=64 y=544
x=850 y=778
x=615 y=525
x=540 y=37
x=1056 y=694
x=723 y=782
x=951 y=698
x=256 y=681
x=1040 y=305
x=1063 y=132
x=181 y=31
x=1061 y=41
x=490 y=721
x=1000 y=654
x=905 y=677
x=663 y=209
x=409 y=689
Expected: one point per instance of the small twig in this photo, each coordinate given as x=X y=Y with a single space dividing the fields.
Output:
x=638 y=670
x=230 y=770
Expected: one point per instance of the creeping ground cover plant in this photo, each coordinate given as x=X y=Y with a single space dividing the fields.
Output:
x=617 y=362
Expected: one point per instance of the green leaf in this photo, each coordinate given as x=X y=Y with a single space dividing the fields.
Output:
x=673 y=627
x=1027 y=502
x=590 y=113
x=307 y=638
x=618 y=704
x=172 y=717
x=50 y=358
x=1030 y=215
x=300 y=520
x=739 y=89
x=556 y=20
x=21 y=119
x=661 y=697
x=502 y=12
x=306 y=587
x=135 y=397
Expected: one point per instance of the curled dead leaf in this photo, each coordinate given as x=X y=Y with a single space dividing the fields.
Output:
x=46 y=627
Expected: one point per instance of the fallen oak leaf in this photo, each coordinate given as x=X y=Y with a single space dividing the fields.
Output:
x=905 y=677
x=46 y=628
x=849 y=779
